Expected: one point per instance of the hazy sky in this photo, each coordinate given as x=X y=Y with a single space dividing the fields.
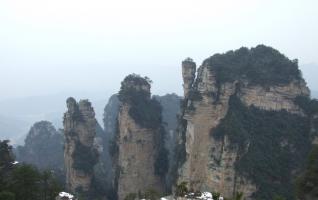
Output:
x=53 y=46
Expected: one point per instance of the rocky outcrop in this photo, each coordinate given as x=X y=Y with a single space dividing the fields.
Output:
x=188 y=74
x=110 y=116
x=138 y=140
x=210 y=163
x=79 y=153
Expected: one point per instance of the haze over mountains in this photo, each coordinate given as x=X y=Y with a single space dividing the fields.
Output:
x=243 y=127
x=42 y=53
x=17 y=115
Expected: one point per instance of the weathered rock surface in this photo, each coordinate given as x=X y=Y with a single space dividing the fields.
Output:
x=79 y=154
x=137 y=146
x=136 y=157
x=110 y=116
x=188 y=75
x=210 y=163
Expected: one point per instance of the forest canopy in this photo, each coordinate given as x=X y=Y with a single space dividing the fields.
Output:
x=261 y=65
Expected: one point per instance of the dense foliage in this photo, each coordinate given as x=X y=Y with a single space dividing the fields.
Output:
x=261 y=65
x=24 y=182
x=307 y=183
x=144 y=110
x=5 y=154
x=310 y=106
x=84 y=157
x=43 y=148
x=277 y=142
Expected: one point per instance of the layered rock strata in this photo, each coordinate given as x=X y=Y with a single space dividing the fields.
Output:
x=210 y=163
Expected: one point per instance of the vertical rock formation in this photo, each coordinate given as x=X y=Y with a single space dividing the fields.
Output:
x=104 y=170
x=141 y=158
x=170 y=111
x=79 y=154
x=188 y=74
x=110 y=116
x=212 y=163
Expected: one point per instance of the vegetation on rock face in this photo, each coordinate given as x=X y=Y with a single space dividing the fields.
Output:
x=84 y=158
x=5 y=155
x=271 y=144
x=307 y=183
x=24 y=182
x=310 y=106
x=147 y=112
x=261 y=65
x=181 y=189
x=195 y=95
x=180 y=148
x=161 y=162
x=144 y=110
x=149 y=194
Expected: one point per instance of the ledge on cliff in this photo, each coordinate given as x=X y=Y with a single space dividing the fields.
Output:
x=261 y=65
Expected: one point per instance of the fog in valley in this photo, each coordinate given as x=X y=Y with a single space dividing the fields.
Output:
x=50 y=50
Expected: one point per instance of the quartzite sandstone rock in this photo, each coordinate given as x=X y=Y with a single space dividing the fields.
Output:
x=137 y=150
x=79 y=129
x=210 y=163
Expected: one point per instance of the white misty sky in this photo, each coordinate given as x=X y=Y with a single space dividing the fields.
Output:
x=49 y=47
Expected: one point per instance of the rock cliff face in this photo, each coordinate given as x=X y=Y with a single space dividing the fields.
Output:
x=79 y=154
x=138 y=139
x=188 y=75
x=110 y=116
x=211 y=163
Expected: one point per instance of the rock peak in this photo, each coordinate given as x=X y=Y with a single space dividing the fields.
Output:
x=188 y=75
x=136 y=82
x=79 y=153
x=71 y=104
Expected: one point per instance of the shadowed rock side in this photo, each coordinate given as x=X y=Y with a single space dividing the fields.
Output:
x=79 y=154
x=141 y=160
x=170 y=104
x=210 y=163
x=110 y=126
x=104 y=170
x=110 y=116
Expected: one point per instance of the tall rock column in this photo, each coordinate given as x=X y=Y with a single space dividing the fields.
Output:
x=214 y=163
x=141 y=156
x=79 y=153
x=188 y=75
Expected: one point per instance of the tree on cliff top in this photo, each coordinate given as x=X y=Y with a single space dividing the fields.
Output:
x=261 y=65
x=146 y=111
